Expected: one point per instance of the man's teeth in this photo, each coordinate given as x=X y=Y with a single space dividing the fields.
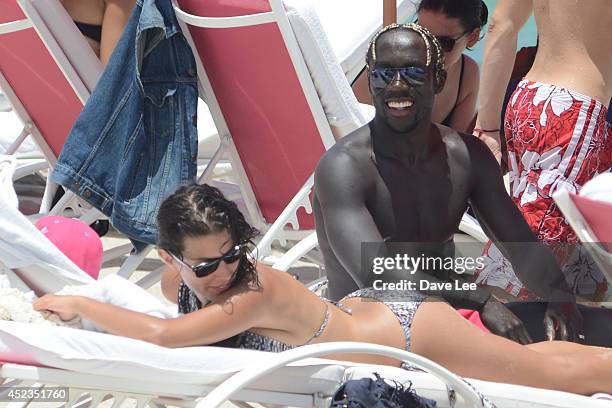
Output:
x=399 y=104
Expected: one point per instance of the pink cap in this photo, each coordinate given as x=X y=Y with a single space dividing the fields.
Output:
x=77 y=240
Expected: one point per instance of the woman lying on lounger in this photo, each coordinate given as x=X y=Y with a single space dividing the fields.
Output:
x=224 y=293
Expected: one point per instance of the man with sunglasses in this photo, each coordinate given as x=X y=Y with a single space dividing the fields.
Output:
x=403 y=179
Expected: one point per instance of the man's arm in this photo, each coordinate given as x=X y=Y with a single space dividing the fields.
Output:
x=533 y=263
x=500 y=50
x=340 y=189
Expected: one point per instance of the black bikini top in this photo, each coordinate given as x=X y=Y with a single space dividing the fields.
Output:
x=446 y=121
x=92 y=31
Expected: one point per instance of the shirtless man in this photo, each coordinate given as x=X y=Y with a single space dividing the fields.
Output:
x=555 y=124
x=402 y=178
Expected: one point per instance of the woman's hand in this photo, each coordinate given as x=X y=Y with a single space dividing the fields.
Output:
x=66 y=307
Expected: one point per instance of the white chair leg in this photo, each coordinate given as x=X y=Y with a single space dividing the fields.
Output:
x=25 y=132
x=133 y=261
x=151 y=278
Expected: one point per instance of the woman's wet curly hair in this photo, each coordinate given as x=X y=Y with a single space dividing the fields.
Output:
x=200 y=209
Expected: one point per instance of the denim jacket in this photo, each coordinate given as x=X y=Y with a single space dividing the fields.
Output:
x=136 y=140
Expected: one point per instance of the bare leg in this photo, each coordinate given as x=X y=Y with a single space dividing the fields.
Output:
x=559 y=348
x=439 y=333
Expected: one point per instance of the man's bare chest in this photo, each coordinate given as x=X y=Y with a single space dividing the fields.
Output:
x=423 y=204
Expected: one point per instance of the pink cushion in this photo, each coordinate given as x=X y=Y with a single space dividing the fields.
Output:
x=473 y=317
x=77 y=240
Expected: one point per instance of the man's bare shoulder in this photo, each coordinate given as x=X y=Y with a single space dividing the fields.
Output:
x=465 y=148
x=351 y=150
x=347 y=162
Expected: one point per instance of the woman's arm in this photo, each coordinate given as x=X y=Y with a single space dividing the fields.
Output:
x=464 y=111
x=216 y=322
x=116 y=15
x=500 y=50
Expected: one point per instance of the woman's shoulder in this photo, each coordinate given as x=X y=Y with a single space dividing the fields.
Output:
x=264 y=290
x=469 y=63
x=471 y=77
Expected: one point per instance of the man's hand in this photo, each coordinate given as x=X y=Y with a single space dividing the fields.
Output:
x=64 y=306
x=501 y=321
x=563 y=321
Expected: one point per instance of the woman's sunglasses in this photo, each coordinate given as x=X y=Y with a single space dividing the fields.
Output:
x=206 y=268
x=448 y=43
x=381 y=77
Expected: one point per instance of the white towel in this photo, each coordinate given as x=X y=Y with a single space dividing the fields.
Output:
x=24 y=247
x=121 y=292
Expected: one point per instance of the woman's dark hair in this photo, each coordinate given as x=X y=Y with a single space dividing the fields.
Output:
x=472 y=13
x=200 y=209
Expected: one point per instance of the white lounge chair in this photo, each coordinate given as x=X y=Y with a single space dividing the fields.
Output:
x=95 y=365
x=46 y=104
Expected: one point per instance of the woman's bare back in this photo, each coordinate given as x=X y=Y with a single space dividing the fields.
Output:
x=295 y=314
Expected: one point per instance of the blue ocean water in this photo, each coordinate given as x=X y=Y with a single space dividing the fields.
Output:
x=527 y=36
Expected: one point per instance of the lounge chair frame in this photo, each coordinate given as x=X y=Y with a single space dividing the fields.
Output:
x=585 y=234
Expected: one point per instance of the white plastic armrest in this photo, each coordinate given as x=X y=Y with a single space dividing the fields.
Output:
x=470 y=226
x=296 y=252
x=288 y=216
x=245 y=377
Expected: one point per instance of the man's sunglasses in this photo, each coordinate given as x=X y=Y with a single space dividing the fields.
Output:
x=207 y=267
x=448 y=43
x=381 y=77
